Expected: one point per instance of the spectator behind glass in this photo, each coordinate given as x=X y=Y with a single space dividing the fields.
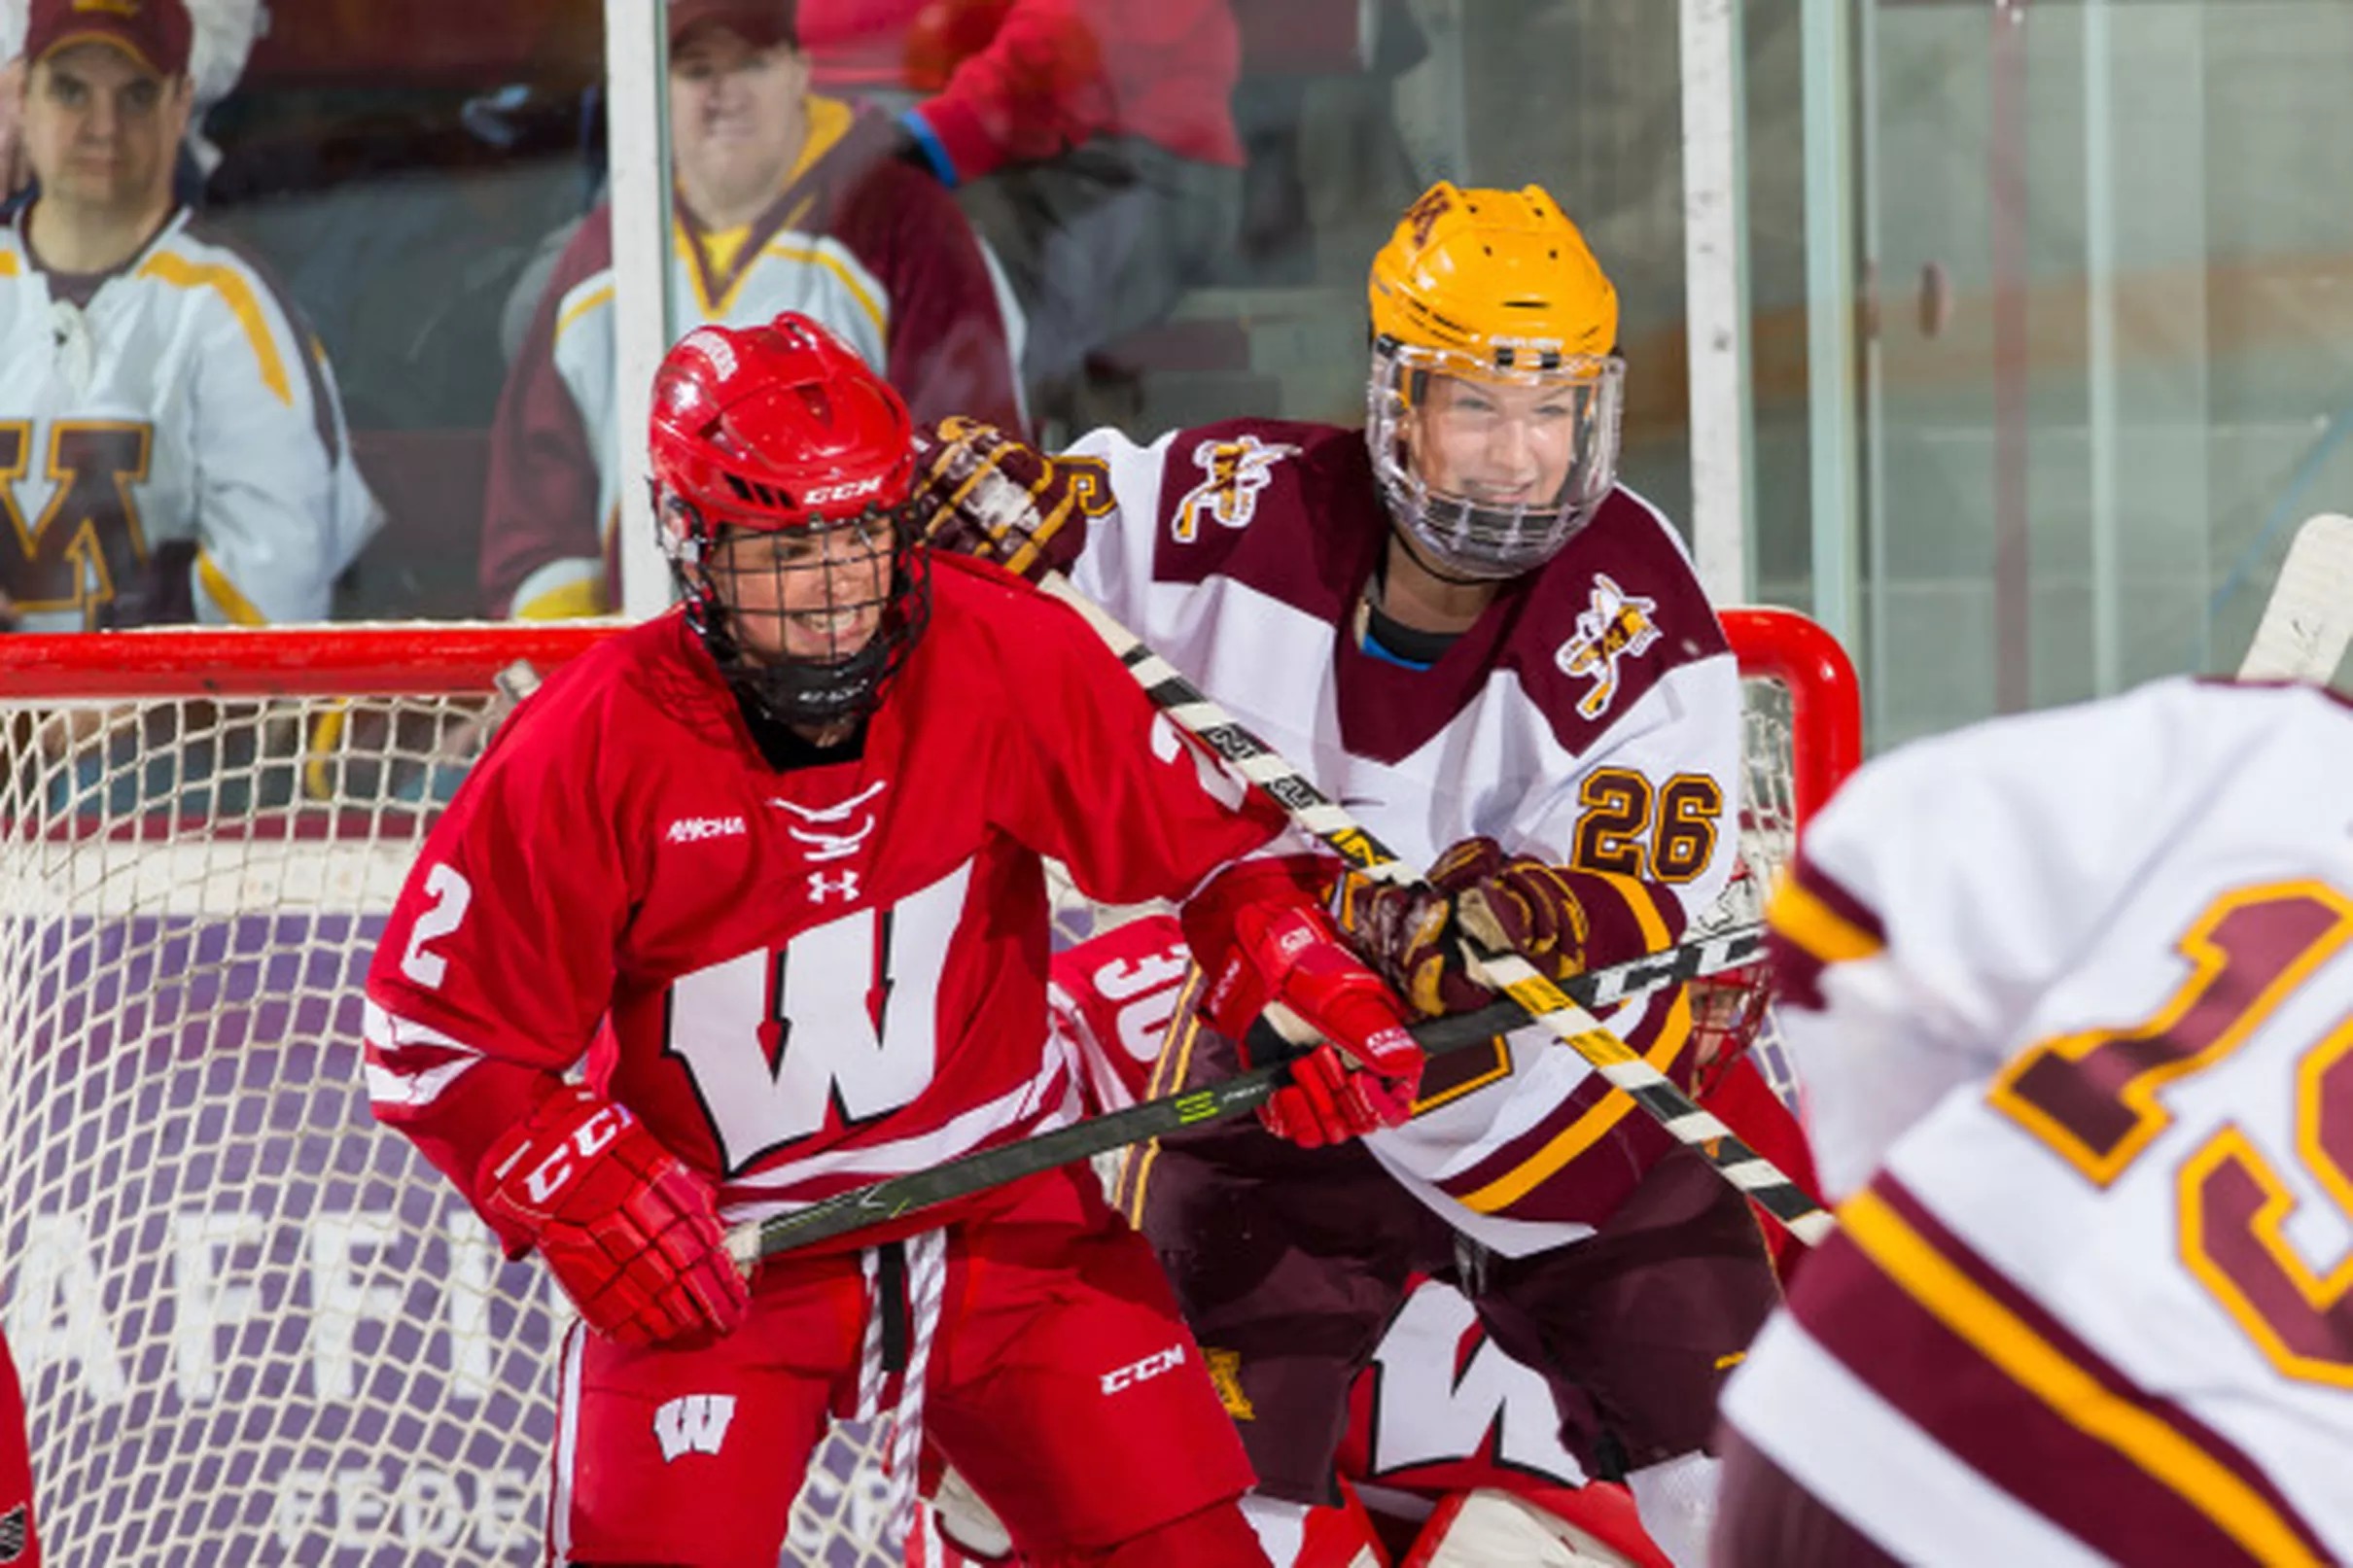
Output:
x=224 y=36
x=1092 y=143
x=786 y=201
x=169 y=431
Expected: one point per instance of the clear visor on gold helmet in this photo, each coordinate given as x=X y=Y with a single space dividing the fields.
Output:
x=1489 y=471
x=1493 y=406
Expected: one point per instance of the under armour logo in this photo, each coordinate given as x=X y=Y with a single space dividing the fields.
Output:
x=821 y=826
x=693 y=1423
x=823 y=887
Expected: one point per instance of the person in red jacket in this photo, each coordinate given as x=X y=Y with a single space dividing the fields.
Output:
x=1091 y=142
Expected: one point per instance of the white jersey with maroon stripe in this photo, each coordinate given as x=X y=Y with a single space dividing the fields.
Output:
x=815 y=977
x=858 y=240
x=1592 y=717
x=171 y=447
x=2078 y=987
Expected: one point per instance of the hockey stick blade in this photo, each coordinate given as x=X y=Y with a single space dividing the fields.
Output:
x=2308 y=618
x=883 y=1201
x=1254 y=762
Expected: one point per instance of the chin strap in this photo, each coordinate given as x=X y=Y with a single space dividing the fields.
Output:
x=1404 y=536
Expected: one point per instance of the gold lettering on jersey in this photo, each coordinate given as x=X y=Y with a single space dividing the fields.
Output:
x=1233 y=473
x=1225 y=1375
x=1615 y=626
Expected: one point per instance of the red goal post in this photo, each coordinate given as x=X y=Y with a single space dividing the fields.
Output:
x=251 y=1326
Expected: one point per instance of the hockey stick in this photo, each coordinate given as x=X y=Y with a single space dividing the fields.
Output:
x=1491 y=961
x=2310 y=617
x=889 y=1199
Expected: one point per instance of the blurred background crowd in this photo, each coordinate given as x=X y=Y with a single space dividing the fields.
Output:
x=2098 y=264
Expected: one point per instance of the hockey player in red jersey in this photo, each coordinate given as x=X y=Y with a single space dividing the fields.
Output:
x=19 y=1544
x=2072 y=996
x=1468 y=633
x=785 y=841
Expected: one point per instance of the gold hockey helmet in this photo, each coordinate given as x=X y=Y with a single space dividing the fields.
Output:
x=1494 y=406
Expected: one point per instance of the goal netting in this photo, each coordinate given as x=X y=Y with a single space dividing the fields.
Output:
x=252 y=1327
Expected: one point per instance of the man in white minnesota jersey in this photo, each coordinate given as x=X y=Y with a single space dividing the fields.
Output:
x=171 y=447
x=784 y=200
x=2072 y=994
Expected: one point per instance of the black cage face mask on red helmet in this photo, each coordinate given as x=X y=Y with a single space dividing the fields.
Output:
x=781 y=467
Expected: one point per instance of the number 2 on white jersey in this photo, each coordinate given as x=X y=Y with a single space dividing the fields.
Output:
x=850 y=1030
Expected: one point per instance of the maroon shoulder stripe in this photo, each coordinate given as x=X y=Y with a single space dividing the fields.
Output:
x=1945 y=1385
x=1797 y=970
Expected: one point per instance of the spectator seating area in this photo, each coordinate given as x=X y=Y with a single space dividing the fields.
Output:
x=398 y=160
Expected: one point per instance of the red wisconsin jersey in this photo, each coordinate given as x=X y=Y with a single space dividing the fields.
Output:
x=815 y=977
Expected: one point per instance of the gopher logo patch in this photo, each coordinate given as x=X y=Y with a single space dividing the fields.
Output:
x=1615 y=627
x=1232 y=472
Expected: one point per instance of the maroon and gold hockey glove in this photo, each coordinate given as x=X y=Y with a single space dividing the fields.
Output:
x=1411 y=936
x=980 y=492
x=1260 y=937
x=630 y=1232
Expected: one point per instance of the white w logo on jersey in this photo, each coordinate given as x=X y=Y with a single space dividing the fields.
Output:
x=853 y=1003
x=693 y=1423
x=1426 y=1412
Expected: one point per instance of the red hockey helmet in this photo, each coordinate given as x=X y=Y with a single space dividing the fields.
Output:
x=782 y=465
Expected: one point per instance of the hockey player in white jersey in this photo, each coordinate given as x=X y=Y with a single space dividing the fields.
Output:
x=2072 y=994
x=1468 y=633
x=171 y=447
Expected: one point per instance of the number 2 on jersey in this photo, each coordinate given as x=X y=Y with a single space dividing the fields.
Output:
x=451 y=893
x=2092 y=1097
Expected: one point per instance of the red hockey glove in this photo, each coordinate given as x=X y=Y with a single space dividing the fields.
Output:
x=1411 y=936
x=1261 y=938
x=630 y=1232
x=980 y=492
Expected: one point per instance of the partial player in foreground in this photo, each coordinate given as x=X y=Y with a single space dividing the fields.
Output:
x=19 y=1543
x=787 y=840
x=2072 y=994
x=1465 y=630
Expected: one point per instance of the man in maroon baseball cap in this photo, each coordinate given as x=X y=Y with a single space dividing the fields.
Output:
x=106 y=101
x=762 y=23
x=155 y=33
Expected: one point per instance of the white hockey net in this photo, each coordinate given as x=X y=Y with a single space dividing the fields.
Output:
x=252 y=1327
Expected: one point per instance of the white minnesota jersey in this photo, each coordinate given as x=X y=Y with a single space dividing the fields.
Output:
x=1591 y=719
x=2072 y=996
x=171 y=446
